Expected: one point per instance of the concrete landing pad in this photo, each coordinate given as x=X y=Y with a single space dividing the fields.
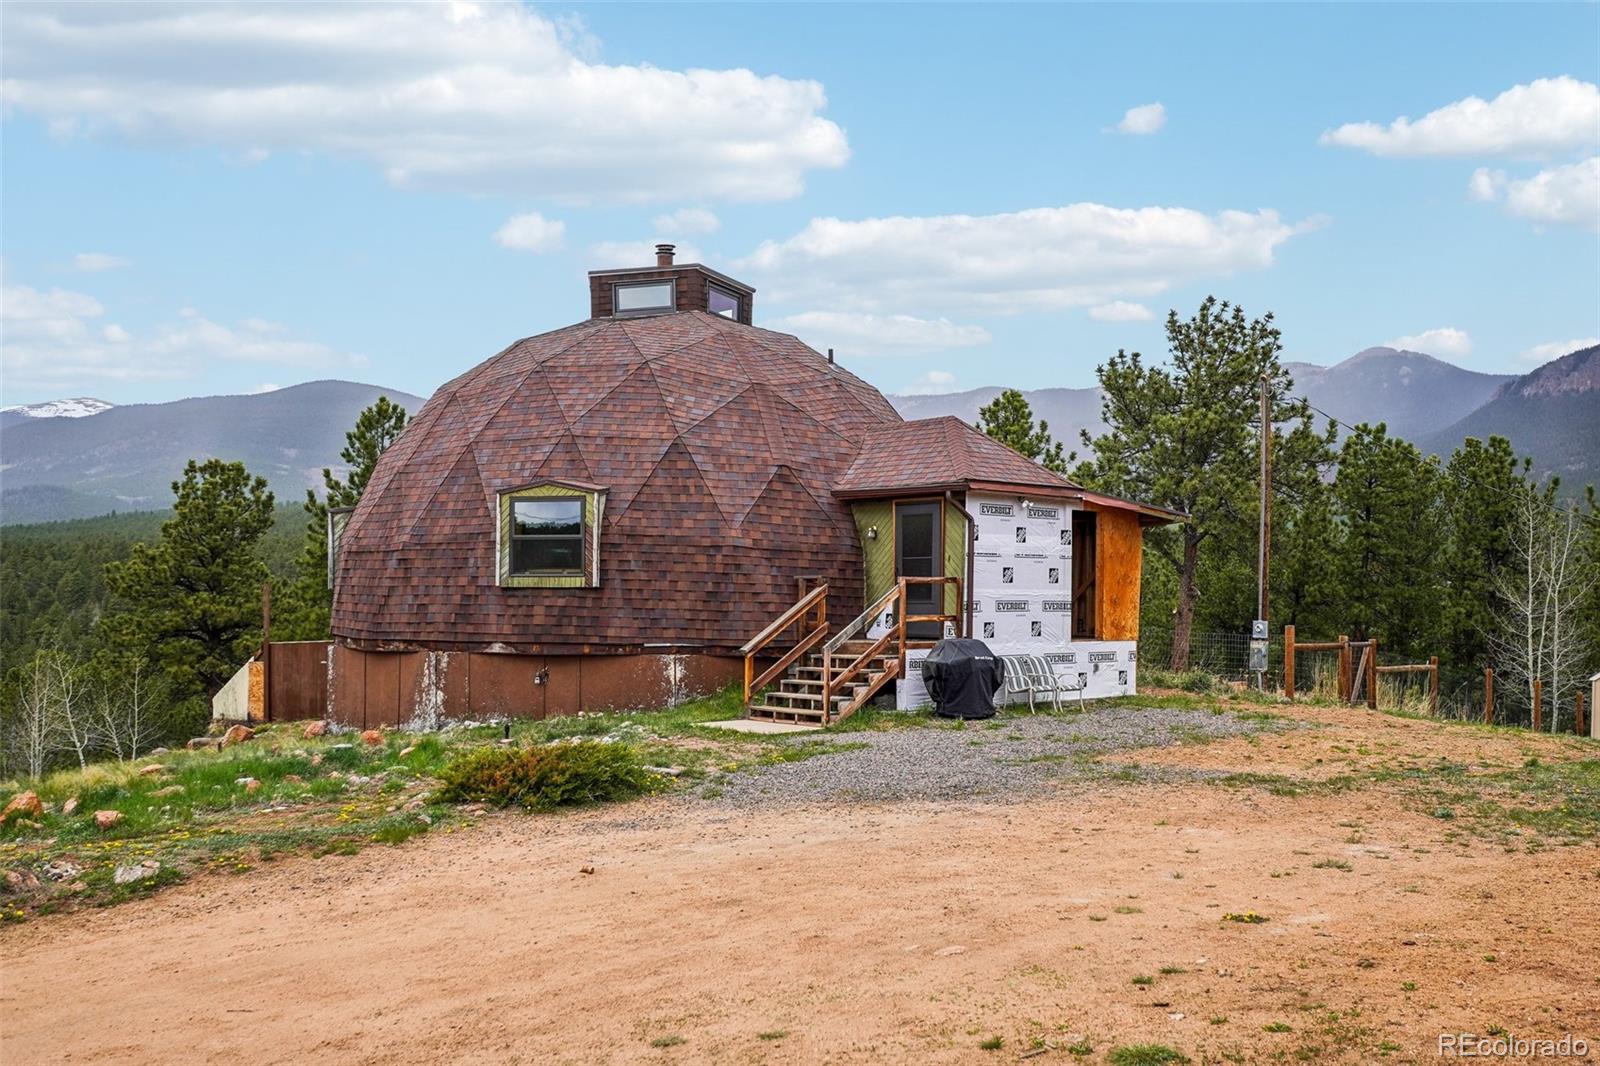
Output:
x=753 y=725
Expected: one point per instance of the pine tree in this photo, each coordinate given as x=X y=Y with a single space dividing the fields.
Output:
x=304 y=611
x=192 y=597
x=1186 y=437
x=1307 y=541
x=1481 y=485
x=1390 y=497
x=1009 y=420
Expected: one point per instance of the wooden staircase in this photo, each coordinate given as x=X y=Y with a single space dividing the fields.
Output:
x=801 y=692
x=822 y=680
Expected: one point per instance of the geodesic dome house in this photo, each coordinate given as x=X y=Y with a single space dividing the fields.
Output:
x=603 y=515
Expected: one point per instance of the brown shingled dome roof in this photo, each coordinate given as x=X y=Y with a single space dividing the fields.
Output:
x=718 y=445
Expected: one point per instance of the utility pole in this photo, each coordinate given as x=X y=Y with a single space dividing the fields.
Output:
x=1264 y=536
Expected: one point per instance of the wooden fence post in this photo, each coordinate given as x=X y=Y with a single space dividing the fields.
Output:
x=1344 y=668
x=1372 y=673
x=1488 y=695
x=1538 y=704
x=1433 y=685
x=1288 y=662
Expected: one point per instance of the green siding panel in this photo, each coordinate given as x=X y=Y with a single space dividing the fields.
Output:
x=877 y=555
x=955 y=555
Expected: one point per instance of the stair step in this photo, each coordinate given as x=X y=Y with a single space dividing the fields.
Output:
x=785 y=714
x=800 y=697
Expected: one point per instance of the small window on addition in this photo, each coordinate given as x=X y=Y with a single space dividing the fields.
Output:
x=547 y=535
x=720 y=301
x=644 y=298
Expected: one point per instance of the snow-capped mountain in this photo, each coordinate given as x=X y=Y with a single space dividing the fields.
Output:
x=76 y=407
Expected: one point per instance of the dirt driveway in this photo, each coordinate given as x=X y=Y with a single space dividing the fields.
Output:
x=898 y=932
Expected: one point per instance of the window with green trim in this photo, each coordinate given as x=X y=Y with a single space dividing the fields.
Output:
x=547 y=535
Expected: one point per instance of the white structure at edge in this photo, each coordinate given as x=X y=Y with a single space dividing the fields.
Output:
x=1021 y=600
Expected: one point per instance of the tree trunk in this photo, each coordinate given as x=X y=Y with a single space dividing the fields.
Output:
x=1187 y=593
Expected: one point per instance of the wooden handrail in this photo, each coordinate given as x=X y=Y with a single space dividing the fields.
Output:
x=804 y=645
x=816 y=598
x=872 y=652
x=860 y=620
x=784 y=620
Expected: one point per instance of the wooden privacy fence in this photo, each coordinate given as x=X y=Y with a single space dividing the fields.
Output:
x=1358 y=668
x=297 y=679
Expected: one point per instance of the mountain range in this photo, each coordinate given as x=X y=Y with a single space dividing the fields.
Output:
x=125 y=457
x=82 y=457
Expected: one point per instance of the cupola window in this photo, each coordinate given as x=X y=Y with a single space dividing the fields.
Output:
x=644 y=297
x=720 y=301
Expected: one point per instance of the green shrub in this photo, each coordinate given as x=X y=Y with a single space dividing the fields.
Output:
x=546 y=777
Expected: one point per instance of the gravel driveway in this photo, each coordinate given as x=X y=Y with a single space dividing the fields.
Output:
x=1012 y=756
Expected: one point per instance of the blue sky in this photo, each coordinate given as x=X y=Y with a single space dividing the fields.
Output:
x=208 y=200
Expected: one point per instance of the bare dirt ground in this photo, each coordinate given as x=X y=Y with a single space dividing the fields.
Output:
x=898 y=932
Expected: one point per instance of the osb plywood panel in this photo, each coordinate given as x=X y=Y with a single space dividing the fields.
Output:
x=1118 y=556
x=257 y=691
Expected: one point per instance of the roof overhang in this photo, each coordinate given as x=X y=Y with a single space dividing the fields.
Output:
x=559 y=482
x=672 y=270
x=1149 y=514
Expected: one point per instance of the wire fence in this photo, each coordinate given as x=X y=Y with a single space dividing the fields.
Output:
x=1225 y=655
x=1462 y=691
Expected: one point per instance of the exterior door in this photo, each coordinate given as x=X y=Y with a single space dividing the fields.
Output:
x=917 y=550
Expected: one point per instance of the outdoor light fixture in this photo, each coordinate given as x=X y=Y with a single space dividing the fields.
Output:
x=872 y=532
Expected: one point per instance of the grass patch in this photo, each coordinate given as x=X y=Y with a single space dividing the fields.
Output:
x=1332 y=864
x=1145 y=1055
x=670 y=1040
x=993 y=1043
x=1144 y=980
x=772 y=1034
x=1277 y=1027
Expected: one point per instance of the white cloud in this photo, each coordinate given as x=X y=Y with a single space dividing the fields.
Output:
x=688 y=220
x=1565 y=195
x=1043 y=258
x=1446 y=340
x=1146 y=118
x=54 y=340
x=531 y=232
x=479 y=97
x=613 y=255
x=265 y=386
x=932 y=383
x=1547 y=115
x=1121 y=311
x=94 y=262
x=864 y=334
x=1540 y=354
